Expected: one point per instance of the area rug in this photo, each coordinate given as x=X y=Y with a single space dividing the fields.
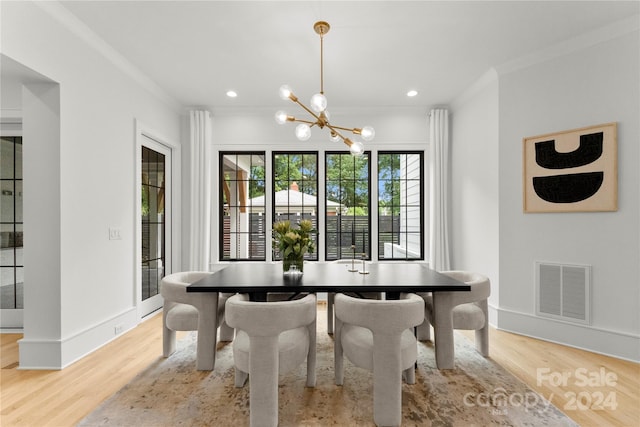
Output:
x=478 y=392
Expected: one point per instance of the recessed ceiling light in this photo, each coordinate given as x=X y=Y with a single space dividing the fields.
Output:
x=412 y=93
x=231 y=94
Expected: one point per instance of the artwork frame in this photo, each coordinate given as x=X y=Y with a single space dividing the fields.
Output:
x=574 y=170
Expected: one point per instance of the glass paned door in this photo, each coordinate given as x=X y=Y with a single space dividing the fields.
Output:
x=155 y=221
x=11 y=266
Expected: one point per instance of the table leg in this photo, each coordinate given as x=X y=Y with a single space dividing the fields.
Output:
x=443 y=328
x=207 y=332
x=392 y=295
x=258 y=296
x=331 y=296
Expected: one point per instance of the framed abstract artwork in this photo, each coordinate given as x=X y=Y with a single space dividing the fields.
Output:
x=571 y=171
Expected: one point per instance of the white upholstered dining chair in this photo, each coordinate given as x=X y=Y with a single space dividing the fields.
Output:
x=271 y=339
x=197 y=311
x=378 y=336
x=447 y=311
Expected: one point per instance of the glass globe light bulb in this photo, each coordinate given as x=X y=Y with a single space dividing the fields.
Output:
x=318 y=102
x=334 y=137
x=281 y=117
x=285 y=91
x=303 y=132
x=367 y=133
x=356 y=149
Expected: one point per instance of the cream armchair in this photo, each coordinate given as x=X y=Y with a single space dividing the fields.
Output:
x=447 y=311
x=202 y=312
x=271 y=339
x=378 y=336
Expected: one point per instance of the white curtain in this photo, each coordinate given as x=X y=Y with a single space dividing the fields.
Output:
x=439 y=189
x=200 y=184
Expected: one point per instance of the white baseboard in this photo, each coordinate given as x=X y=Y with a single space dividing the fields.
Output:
x=616 y=344
x=41 y=354
x=11 y=321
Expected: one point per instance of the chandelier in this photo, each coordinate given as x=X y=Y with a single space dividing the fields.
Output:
x=319 y=111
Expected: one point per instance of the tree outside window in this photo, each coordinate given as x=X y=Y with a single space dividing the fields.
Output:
x=348 y=187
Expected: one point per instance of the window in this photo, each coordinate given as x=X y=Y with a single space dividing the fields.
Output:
x=347 y=216
x=242 y=193
x=11 y=226
x=295 y=190
x=400 y=214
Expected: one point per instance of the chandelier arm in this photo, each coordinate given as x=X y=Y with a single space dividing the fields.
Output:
x=307 y=109
x=309 y=122
x=355 y=131
x=347 y=141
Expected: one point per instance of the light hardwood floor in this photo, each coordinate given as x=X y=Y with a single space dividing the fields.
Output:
x=62 y=398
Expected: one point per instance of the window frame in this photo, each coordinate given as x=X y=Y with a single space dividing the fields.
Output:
x=372 y=231
x=274 y=215
x=221 y=207
x=421 y=192
x=364 y=245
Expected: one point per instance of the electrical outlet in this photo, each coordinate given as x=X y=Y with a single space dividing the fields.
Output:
x=115 y=233
x=118 y=329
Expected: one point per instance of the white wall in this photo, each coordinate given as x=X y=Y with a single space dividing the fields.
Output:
x=589 y=86
x=98 y=106
x=394 y=128
x=587 y=81
x=474 y=183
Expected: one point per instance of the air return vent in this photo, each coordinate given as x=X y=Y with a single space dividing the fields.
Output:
x=563 y=291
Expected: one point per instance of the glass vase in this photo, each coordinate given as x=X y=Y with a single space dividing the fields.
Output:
x=293 y=266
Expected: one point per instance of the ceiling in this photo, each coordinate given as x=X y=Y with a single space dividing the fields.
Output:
x=374 y=53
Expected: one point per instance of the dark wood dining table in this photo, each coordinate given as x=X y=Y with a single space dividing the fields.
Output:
x=259 y=279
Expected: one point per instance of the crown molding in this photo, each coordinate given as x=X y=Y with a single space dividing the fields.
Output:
x=86 y=34
x=489 y=77
x=583 y=41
